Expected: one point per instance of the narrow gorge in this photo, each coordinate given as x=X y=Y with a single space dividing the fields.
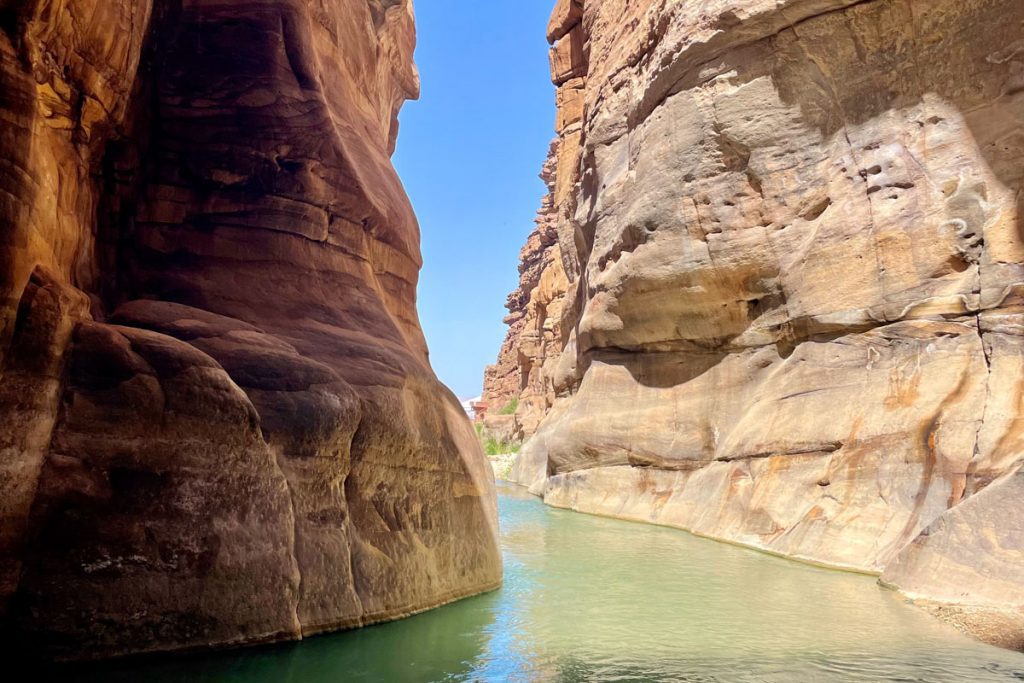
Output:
x=775 y=295
x=218 y=425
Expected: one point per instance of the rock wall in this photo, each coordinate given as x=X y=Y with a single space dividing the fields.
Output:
x=793 y=236
x=517 y=388
x=541 y=312
x=218 y=424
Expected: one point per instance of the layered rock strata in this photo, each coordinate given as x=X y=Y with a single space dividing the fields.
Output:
x=541 y=314
x=218 y=424
x=517 y=389
x=794 y=246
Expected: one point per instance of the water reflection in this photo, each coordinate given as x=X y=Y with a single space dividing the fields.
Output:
x=439 y=646
x=591 y=599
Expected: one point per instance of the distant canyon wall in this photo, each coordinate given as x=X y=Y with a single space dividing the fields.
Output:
x=218 y=424
x=776 y=294
x=517 y=389
x=541 y=314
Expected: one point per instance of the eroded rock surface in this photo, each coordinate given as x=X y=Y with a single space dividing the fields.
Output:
x=794 y=242
x=218 y=424
x=518 y=391
x=968 y=565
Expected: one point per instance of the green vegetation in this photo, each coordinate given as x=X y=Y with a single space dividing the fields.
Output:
x=494 y=447
x=510 y=407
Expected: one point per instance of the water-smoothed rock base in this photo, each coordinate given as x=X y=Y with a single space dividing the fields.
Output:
x=218 y=423
x=794 y=245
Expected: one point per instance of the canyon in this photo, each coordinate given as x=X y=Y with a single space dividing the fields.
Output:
x=218 y=422
x=775 y=295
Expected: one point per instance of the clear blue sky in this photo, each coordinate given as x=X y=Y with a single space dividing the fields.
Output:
x=469 y=152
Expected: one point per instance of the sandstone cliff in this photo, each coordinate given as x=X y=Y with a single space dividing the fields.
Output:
x=218 y=424
x=541 y=312
x=517 y=389
x=793 y=238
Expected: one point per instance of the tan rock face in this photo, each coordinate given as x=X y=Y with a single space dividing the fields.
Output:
x=794 y=235
x=967 y=568
x=218 y=424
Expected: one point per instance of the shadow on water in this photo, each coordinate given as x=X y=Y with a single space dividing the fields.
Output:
x=594 y=599
x=436 y=646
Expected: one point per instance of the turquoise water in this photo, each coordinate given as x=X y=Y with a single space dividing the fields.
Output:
x=593 y=599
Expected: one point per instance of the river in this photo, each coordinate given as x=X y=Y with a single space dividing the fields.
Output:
x=593 y=599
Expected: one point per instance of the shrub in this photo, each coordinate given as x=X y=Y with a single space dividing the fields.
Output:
x=494 y=447
x=510 y=407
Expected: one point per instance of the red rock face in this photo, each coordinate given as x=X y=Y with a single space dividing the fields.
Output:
x=532 y=368
x=217 y=410
x=521 y=377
